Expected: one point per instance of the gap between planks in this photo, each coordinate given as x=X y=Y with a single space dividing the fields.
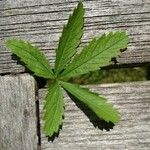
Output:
x=42 y=22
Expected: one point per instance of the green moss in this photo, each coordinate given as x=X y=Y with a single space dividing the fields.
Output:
x=113 y=76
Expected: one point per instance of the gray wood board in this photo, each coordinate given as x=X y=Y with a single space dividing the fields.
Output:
x=41 y=22
x=132 y=133
x=17 y=113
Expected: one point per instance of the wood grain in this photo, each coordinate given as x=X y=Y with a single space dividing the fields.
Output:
x=132 y=133
x=17 y=113
x=42 y=21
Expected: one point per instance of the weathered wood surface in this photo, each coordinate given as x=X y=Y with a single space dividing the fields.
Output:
x=17 y=113
x=132 y=133
x=42 y=21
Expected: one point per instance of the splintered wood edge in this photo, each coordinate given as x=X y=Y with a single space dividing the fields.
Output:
x=41 y=22
x=133 y=132
x=18 y=113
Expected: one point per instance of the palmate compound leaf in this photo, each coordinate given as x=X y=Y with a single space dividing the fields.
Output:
x=96 y=54
x=70 y=38
x=31 y=56
x=96 y=103
x=54 y=109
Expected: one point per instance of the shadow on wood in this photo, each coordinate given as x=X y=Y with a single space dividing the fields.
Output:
x=97 y=122
x=16 y=58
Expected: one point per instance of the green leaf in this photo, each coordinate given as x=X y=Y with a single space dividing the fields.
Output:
x=96 y=54
x=31 y=56
x=54 y=109
x=96 y=103
x=70 y=38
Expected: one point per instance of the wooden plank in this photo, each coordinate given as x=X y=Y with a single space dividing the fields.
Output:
x=133 y=132
x=17 y=111
x=42 y=21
